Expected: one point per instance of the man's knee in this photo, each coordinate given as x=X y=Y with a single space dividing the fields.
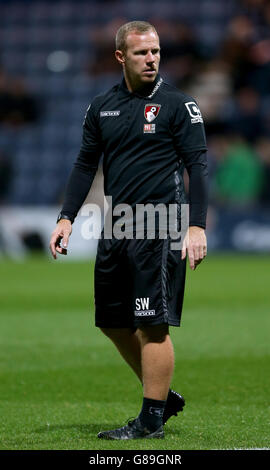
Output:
x=117 y=333
x=154 y=333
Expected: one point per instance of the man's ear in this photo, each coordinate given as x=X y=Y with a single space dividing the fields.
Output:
x=119 y=57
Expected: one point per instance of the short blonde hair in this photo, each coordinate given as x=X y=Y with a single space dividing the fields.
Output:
x=125 y=29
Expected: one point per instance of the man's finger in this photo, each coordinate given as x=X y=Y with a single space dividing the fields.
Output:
x=184 y=252
x=197 y=262
x=196 y=251
x=53 y=244
x=191 y=258
x=202 y=255
x=184 y=248
x=53 y=251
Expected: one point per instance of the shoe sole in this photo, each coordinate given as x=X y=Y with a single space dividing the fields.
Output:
x=158 y=434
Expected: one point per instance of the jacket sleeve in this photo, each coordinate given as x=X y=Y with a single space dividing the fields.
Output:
x=190 y=144
x=196 y=165
x=85 y=166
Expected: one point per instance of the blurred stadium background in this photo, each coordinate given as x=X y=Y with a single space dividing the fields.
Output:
x=55 y=56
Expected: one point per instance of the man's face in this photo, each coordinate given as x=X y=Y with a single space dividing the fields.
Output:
x=141 y=58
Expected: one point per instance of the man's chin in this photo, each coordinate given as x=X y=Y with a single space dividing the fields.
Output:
x=148 y=78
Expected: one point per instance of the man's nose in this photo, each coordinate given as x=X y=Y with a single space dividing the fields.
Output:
x=150 y=57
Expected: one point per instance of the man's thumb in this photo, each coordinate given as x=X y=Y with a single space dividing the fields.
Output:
x=65 y=241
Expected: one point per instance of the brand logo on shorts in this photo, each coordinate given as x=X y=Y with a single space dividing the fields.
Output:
x=194 y=112
x=142 y=308
x=144 y=313
x=151 y=111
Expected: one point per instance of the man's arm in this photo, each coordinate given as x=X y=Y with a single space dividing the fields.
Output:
x=190 y=143
x=195 y=243
x=79 y=183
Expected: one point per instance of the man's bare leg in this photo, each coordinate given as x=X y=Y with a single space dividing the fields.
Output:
x=128 y=344
x=157 y=361
x=149 y=352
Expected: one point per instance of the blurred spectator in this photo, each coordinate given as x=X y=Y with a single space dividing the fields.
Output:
x=3 y=93
x=5 y=175
x=212 y=87
x=239 y=178
x=179 y=56
x=17 y=105
x=103 y=39
x=218 y=146
x=259 y=76
x=247 y=50
x=266 y=14
x=236 y=47
x=263 y=151
x=254 y=4
x=246 y=117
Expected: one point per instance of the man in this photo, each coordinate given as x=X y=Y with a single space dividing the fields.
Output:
x=147 y=131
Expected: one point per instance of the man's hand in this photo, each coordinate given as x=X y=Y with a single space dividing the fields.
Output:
x=62 y=232
x=195 y=245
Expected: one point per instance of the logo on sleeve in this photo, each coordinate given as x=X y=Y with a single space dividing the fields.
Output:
x=151 y=111
x=194 y=112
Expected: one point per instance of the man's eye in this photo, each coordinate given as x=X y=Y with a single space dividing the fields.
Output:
x=155 y=51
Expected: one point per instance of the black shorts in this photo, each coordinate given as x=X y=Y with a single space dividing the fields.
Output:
x=138 y=282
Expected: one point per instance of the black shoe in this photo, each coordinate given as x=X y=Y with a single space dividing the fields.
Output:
x=175 y=403
x=133 y=430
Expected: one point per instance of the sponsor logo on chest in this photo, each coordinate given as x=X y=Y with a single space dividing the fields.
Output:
x=109 y=113
x=149 y=128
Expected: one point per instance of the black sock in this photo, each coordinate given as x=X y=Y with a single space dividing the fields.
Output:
x=151 y=413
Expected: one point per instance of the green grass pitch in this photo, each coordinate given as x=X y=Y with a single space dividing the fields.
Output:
x=62 y=381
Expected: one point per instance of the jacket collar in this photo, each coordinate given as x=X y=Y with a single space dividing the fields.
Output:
x=148 y=91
